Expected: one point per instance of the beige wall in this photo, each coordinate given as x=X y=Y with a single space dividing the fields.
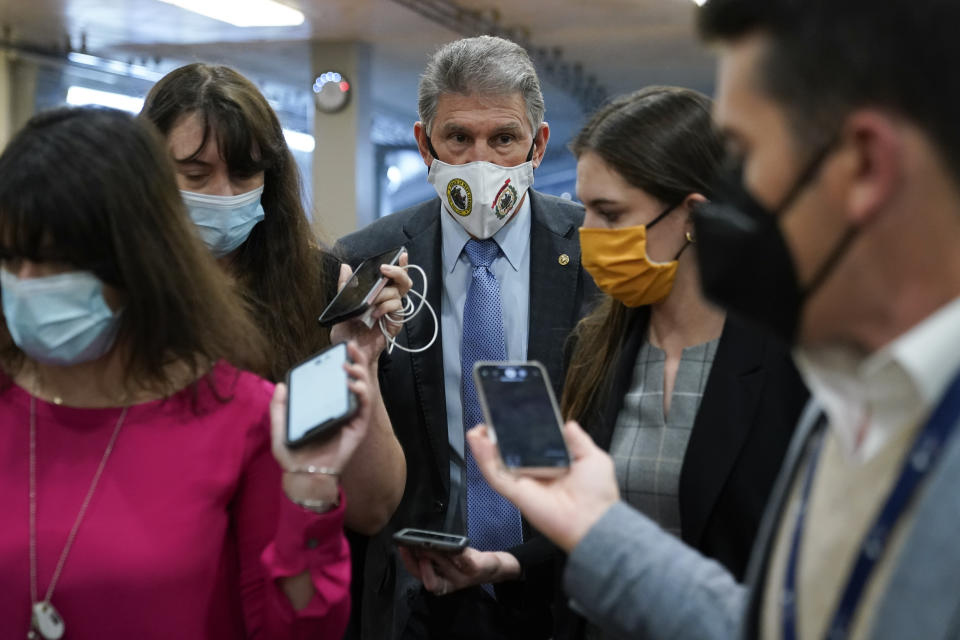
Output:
x=18 y=88
x=343 y=162
x=6 y=116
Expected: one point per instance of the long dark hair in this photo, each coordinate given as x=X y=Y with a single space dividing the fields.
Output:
x=660 y=140
x=94 y=189
x=279 y=267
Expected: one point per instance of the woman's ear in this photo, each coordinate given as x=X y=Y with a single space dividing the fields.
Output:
x=693 y=200
x=689 y=203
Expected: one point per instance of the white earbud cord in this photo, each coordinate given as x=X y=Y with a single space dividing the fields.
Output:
x=408 y=312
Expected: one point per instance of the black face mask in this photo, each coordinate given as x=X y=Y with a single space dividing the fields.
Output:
x=745 y=265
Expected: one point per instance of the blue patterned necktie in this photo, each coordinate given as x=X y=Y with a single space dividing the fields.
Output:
x=493 y=524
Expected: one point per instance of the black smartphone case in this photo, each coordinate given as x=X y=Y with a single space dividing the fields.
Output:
x=330 y=320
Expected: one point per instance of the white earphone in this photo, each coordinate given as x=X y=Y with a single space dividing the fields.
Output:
x=407 y=312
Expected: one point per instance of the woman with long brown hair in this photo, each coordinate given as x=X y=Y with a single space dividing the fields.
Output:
x=144 y=493
x=696 y=408
x=243 y=191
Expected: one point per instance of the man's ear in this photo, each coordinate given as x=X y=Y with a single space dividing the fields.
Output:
x=540 y=144
x=423 y=146
x=872 y=163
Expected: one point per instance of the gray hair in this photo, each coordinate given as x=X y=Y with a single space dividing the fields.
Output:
x=485 y=65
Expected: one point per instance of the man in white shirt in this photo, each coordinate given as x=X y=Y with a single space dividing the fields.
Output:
x=843 y=237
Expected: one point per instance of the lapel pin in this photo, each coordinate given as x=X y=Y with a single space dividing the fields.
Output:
x=564 y=259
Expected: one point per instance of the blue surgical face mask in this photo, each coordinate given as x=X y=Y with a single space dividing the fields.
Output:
x=60 y=320
x=224 y=222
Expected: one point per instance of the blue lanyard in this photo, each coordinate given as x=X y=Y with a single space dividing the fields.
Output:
x=922 y=457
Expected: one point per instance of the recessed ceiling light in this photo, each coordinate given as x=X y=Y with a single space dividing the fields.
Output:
x=244 y=13
x=699 y=3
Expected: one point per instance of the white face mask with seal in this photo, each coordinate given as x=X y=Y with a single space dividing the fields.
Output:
x=481 y=196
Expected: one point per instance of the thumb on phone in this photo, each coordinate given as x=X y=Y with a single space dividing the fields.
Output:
x=578 y=441
x=345 y=274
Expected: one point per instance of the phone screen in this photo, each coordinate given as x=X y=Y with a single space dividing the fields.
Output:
x=360 y=290
x=318 y=392
x=523 y=415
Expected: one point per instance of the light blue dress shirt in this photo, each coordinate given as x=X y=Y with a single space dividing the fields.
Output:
x=512 y=270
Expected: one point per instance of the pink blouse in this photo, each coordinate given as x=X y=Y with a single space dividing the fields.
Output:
x=188 y=530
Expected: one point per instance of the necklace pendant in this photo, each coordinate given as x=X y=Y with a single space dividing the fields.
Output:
x=46 y=621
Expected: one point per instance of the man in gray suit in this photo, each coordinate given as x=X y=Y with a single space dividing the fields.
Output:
x=482 y=134
x=842 y=235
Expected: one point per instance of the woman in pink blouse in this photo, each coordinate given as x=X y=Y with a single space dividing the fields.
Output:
x=143 y=494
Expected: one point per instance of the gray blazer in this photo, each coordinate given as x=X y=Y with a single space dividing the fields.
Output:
x=633 y=579
x=413 y=390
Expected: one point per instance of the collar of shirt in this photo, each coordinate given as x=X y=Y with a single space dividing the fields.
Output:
x=888 y=390
x=513 y=238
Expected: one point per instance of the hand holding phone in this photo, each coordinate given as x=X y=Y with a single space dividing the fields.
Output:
x=313 y=439
x=445 y=572
x=522 y=414
x=360 y=291
x=563 y=508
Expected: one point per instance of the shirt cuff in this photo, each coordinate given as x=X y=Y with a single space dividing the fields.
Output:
x=304 y=539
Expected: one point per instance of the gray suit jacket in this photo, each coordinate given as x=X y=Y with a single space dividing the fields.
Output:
x=633 y=579
x=413 y=389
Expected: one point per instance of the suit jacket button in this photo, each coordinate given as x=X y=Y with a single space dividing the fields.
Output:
x=439 y=506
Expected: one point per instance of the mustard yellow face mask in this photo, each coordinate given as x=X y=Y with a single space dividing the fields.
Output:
x=617 y=260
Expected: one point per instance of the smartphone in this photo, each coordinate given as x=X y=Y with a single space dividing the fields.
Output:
x=361 y=290
x=521 y=411
x=431 y=540
x=318 y=400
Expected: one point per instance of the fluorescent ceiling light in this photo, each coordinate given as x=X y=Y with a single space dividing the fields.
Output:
x=299 y=141
x=244 y=13
x=113 y=66
x=79 y=96
x=699 y=3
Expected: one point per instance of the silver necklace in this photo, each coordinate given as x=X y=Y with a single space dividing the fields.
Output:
x=44 y=619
